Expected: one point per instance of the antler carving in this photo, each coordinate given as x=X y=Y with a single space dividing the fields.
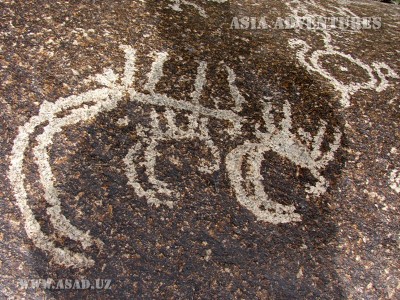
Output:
x=75 y=109
x=281 y=140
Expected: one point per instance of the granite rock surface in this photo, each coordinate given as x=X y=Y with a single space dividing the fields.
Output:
x=199 y=150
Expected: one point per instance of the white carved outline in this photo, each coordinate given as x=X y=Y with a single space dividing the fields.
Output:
x=285 y=143
x=312 y=60
x=90 y=104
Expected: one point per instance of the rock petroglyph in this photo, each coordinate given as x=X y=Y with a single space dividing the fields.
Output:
x=77 y=109
x=379 y=74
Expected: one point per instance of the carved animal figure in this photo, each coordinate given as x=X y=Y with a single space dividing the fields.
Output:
x=76 y=109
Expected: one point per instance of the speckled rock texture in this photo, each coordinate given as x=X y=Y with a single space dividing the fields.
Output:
x=158 y=145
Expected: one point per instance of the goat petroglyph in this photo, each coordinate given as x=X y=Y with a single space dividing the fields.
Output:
x=305 y=152
x=312 y=59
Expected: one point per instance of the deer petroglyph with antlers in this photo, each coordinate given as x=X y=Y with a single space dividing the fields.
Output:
x=84 y=107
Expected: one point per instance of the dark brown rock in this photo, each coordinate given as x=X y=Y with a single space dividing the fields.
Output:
x=252 y=213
